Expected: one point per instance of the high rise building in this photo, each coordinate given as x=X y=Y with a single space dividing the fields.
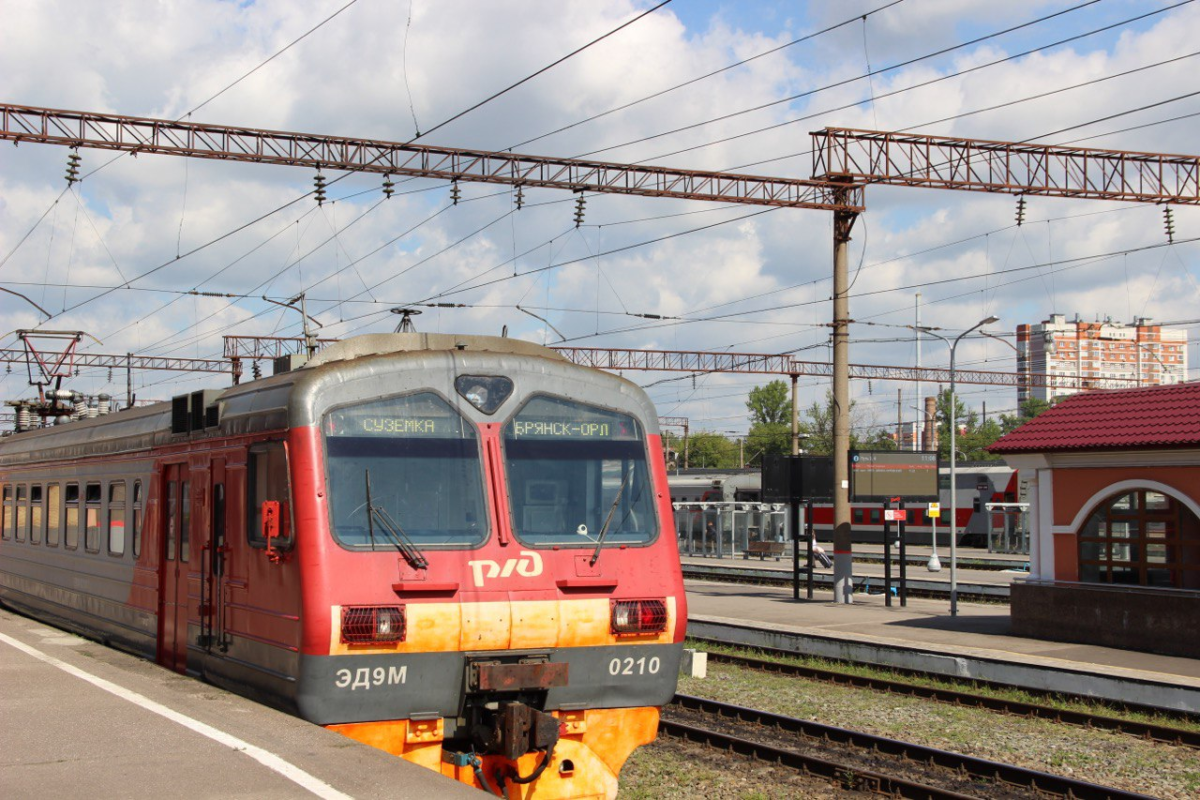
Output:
x=1096 y=355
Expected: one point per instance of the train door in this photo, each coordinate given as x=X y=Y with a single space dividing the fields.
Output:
x=173 y=565
x=213 y=549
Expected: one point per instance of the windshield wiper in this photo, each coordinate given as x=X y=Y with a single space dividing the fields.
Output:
x=403 y=543
x=607 y=520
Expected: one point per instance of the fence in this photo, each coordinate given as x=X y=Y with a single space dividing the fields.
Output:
x=725 y=529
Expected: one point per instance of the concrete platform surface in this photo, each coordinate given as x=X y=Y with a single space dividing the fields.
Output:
x=80 y=720
x=979 y=629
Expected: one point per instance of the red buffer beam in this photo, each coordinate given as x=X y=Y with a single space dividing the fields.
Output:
x=942 y=162
x=166 y=137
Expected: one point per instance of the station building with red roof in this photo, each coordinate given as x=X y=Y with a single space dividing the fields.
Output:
x=1113 y=482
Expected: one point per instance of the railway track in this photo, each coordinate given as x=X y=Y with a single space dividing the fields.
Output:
x=1143 y=730
x=861 y=761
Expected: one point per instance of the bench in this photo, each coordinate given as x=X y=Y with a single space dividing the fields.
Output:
x=764 y=549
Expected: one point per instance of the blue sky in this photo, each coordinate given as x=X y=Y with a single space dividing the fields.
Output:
x=368 y=71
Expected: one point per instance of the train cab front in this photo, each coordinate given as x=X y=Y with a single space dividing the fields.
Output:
x=494 y=591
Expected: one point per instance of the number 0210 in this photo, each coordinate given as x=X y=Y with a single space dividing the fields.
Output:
x=632 y=666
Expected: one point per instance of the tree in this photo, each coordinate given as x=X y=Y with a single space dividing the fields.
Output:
x=770 y=405
x=708 y=450
x=1028 y=410
x=817 y=422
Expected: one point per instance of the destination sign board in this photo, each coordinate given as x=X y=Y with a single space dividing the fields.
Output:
x=880 y=475
x=423 y=415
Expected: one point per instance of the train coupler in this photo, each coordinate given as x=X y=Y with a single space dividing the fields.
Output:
x=518 y=729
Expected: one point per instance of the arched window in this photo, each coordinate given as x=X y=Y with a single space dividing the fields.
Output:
x=1142 y=538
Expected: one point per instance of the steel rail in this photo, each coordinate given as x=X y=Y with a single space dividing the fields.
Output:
x=847 y=777
x=980 y=768
x=1143 y=730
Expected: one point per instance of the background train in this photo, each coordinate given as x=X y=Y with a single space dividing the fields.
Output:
x=456 y=549
x=979 y=483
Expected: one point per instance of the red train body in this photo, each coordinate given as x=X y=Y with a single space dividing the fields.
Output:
x=456 y=549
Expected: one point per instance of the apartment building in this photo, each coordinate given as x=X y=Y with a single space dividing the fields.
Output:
x=1095 y=355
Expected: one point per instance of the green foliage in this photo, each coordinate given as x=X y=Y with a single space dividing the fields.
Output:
x=770 y=404
x=711 y=450
x=767 y=438
x=1028 y=410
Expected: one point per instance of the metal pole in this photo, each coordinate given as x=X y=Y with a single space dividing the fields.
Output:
x=917 y=438
x=795 y=418
x=887 y=555
x=811 y=537
x=129 y=380
x=843 y=558
x=953 y=490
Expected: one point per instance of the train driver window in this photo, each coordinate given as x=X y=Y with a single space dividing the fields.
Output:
x=570 y=468
x=267 y=479
x=36 y=513
x=9 y=511
x=425 y=468
x=92 y=508
x=116 y=518
x=53 y=514
x=22 y=511
x=72 y=501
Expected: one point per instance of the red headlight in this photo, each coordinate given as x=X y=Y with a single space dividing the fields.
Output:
x=372 y=624
x=639 y=616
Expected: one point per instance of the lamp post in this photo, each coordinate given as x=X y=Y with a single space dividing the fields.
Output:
x=954 y=458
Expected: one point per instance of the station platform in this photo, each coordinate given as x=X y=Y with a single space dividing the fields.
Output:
x=923 y=635
x=82 y=720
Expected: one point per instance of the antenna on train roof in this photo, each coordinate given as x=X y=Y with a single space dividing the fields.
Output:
x=406 y=324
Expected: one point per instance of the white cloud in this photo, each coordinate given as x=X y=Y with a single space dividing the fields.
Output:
x=348 y=78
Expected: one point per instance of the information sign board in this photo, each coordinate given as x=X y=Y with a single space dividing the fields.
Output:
x=879 y=475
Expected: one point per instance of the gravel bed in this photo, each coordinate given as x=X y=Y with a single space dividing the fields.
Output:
x=1112 y=759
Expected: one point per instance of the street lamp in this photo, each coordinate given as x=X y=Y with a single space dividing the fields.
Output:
x=954 y=458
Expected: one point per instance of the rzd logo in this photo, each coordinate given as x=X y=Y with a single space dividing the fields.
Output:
x=528 y=566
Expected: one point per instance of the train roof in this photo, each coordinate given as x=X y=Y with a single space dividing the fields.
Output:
x=281 y=400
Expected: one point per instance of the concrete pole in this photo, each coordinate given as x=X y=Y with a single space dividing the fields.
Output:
x=795 y=418
x=843 y=559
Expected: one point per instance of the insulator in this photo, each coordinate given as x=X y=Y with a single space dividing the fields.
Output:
x=579 y=205
x=73 y=167
x=24 y=419
x=1169 y=223
x=110 y=374
x=455 y=194
x=319 y=182
x=8 y=369
x=520 y=197
x=105 y=404
x=255 y=370
x=1020 y=210
x=389 y=188
x=80 y=409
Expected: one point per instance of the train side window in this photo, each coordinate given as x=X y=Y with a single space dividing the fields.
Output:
x=267 y=479
x=218 y=528
x=856 y=516
x=136 y=518
x=37 y=517
x=10 y=514
x=22 y=511
x=72 y=501
x=53 y=514
x=171 y=520
x=185 y=518
x=92 y=509
x=116 y=518
x=876 y=516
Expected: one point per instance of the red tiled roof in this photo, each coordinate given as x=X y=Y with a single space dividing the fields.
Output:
x=1156 y=417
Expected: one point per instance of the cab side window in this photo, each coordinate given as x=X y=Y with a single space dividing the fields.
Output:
x=267 y=479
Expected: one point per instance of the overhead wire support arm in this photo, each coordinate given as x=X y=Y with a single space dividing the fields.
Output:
x=167 y=137
x=979 y=165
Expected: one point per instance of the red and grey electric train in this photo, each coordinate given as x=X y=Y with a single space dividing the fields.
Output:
x=979 y=484
x=456 y=549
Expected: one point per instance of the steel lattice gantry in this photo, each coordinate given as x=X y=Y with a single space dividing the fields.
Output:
x=978 y=165
x=166 y=137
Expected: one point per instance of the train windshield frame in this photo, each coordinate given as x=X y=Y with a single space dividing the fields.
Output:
x=570 y=467
x=424 y=464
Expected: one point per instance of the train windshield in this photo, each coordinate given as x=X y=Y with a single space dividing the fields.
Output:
x=575 y=471
x=421 y=459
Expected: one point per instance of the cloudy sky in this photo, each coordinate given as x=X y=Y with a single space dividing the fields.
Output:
x=117 y=254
